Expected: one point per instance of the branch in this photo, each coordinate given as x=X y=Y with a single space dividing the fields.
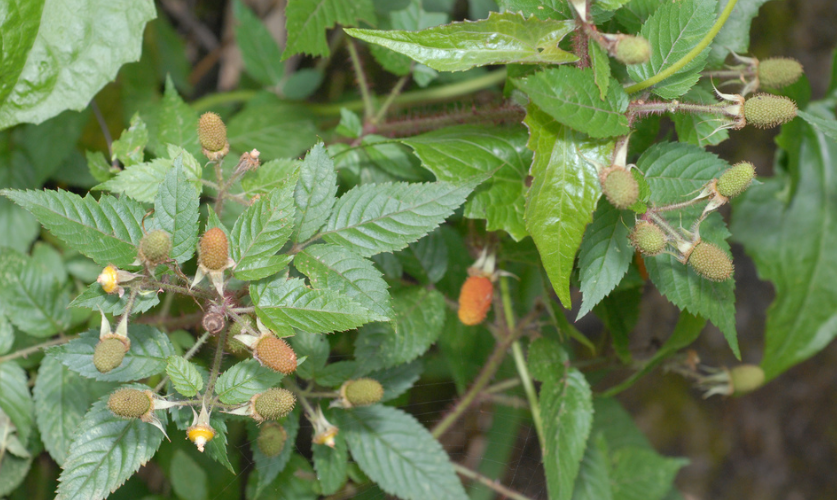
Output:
x=491 y=483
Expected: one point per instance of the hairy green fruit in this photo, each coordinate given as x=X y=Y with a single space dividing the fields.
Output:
x=632 y=50
x=778 y=72
x=362 y=392
x=768 y=111
x=620 y=188
x=274 y=403
x=276 y=354
x=109 y=354
x=233 y=345
x=710 y=262
x=648 y=238
x=212 y=132
x=736 y=179
x=129 y=403
x=214 y=249
x=271 y=439
x=746 y=378
x=154 y=247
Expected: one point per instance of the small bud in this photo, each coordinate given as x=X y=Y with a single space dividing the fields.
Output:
x=632 y=50
x=710 y=262
x=109 y=280
x=130 y=403
x=109 y=353
x=212 y=132
x=768 y=111
x=275 y=353
x=200 y=432
x=475 y=299
x=736 y=179
x=648 y=238
x=746 y=378
x=273 y=404
x=154 y=248
x=214 y=250
x=620 y=187
x=778 y=72
x=271 y=440
x=361 y=392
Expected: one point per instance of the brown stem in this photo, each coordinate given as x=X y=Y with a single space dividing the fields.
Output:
x=491 y=483
x=35 y=348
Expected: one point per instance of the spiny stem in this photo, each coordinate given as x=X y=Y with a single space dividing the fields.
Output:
x=368 y=107
x=647 y=108
x=677 y=66
x=216 y=365
x=491 y=483
x=35 y=348
x=664 y=225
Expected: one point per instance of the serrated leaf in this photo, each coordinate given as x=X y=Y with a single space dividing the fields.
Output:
x=336 y=269
x=33 y=298
x=790 y=240
x=15 y=400
x=271 y=175
x=570 y=96
x=456 y=154
x=419 y=318
x=175 y=123
x=217 y=448
x=130 y=147
x=501 y=39
x=106 y=452
x=188 y=479
x=593 y=480
x=700 y=129
x=140 y=181
x=376 y=218
x=427 y=259
x=315 y=348
x=600 y=62
x=735 y=34
x=278 y=129
x=260 y=232
x=244 y=380
x=315 y=192
x=283 y=303
x=399 y=454
x=398 y=379
x=563 y=195
x=642 y=474
x=62 y=397
x=676 y=172
x=827 y=127
x=94 y=298
x=334 y=374
x=270 y=467
x=13 y=468
x=53 y=65
x=331 y=464
x=261 y=55
x=308 y=20
x=604 y=256
x=148 y=355
x=185 y=377
x=107 y=231
x=176 y=211
x=674 y=30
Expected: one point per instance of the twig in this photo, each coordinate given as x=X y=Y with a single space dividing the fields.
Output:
x=105 y=132
x=35 y=348
x=491 y=483
x=368 y=107
x=399 y=86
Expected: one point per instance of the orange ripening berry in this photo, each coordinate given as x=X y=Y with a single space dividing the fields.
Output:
x=475 y=299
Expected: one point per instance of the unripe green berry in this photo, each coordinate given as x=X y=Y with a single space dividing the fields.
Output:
x=746 y=378
x=620 y=188
x=710 y=262
x=648 y=238
x=736 y=179
x=632 y=50
x=778 y=72
x=129 y=403
x=362 y=392
x=109 y=354
x=214 y=249
x=274 y=403
x=271 y=440
x=768 y=110
x=212 y=132
x=154 y=247
x=233 y=345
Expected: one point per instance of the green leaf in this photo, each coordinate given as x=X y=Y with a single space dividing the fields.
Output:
x=244 y=380
x=331 y=464
x=674 y=30
x=271 y=175
x=563 y=195
x=735 y=34
x=315 y=192
x=217 y=448
x=570 y=96
x=789 y=235
x=94 y=298
x=826 y=127
x=50 y=65
x=184 y=375
x=336 y=269
x=398 y=379
x=600 y=62
x=62 y=397
x=261 y=55
x=107 y=231
x=457 y=339
x=605 y=255
x=176 y=211
x=289 y=303
x=7 y=334
x=130 y=147
x=411 y=18
x=501 y=39
x=308 y=20
x=376 y=218
x=427 y=259
x=141 y=182
x=315 y=348
x=106 y=451
x=276 y=128
x=334 y=374
x=567 y=413
x=419 y=318
x=700 y=129
x=175 y=123
x=17 y=221
x=15 y=400
x=399 y=454
x=270 y=467
x=593 y=480
x=676 y=172
x=456 y=154
x=635 y=13
x=14 y=466
x=188 y=479
x=642 y=474
x=260 y=232
x=34 y=299
x=148 y=355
